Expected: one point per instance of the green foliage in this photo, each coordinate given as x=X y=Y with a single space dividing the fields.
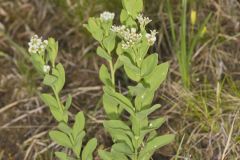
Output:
x=54 y=77
x=135 y=138
x=73 y=138
x=189 y=38
x=53 y=50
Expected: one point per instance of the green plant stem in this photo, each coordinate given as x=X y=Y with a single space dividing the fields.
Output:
x=183 y=55
x=58 y=99
x=112 y=72
x=135 y=155
x=172 y=25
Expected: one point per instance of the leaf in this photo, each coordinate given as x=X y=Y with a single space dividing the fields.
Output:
x=88 y=149
x=60 y=138
x=118 y=64
x=157 y=76
x=52 y=50
x=38 y=62
x=109 y=42
x=136 y=125
x=149 y=64
x=79 y=124
x=60 y=74
x=156 y=123
x=143 y=48
x=61 y=155
x=110 y=106
x=68 y=102
x=119 y=49
x=58 y=114
x=122 y=148
x=133 y=7
x=131 y=70
x=132 y=74
x=152 y=135
x=127 y=62
x=65 y=116
x=119 y=131
x=116 y=124
x=104 y=155
x=144 y=99
x=49 y=80
x=113 y=126
x=139 y=5
x=137 y=90
x=105 y=76
x=156 y=143
x=121 y=137
x=146 y=156
x=124 y=15
x=131 y=22
x=143 y=114
x=64 y=128
x=77 y=147
x=152 y=126
x=122 y=100
x=51 y=102
x=102 y=53
x=94 y=28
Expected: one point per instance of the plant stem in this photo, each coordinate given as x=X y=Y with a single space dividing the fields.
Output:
x=112 y=72
x=58 y=99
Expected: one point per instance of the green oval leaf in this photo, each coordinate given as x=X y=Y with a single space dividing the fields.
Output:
x=149 y=64
x=88 y=149
x=60 y=138
x=102 y=53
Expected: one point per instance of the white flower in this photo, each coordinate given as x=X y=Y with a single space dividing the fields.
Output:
x=46 y=68
x=143 y=20
x=151 y=38
x=118 y=29
x=106 y=16
x=36 y=45
x=130 y=36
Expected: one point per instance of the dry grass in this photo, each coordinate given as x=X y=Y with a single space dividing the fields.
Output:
x=205 y=119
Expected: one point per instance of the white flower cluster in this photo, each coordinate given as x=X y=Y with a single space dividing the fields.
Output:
x=143 y=20
x=151 y=38
x=130 y=36
x=106 y=16
x=36 y=45
x=118 y=29
x=46 y=68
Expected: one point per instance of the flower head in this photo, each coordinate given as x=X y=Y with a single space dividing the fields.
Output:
x=129 y=35
x=143 y=20
x=151 y=38
x=118 y=29
x=36 y=45
x=106 y=16
x=46 y=68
